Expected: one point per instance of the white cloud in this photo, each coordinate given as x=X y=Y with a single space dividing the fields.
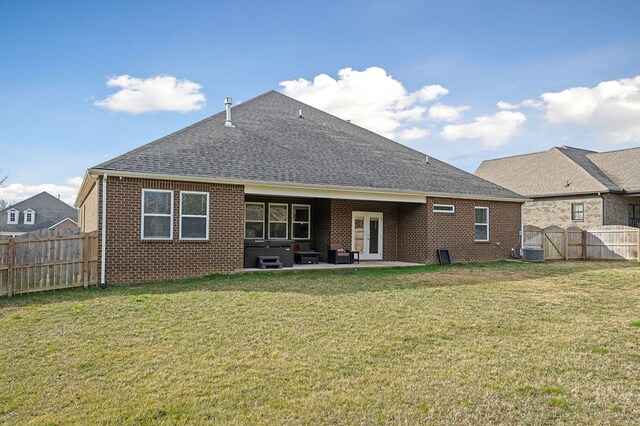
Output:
x=530 y=103
x=159 y=93
x=413 y=133
x=17 y=192
x=494 y=130
x=507 y=105
x=371 y=98
x=441 y=112
x=611 y=108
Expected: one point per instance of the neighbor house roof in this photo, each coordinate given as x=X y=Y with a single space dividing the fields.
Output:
x=565 y=171
x=48 y=209
x=271 y=143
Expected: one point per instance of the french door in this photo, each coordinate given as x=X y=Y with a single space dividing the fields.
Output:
x=366 y=235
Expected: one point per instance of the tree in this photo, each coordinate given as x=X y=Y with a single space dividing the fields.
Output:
x=3 y=204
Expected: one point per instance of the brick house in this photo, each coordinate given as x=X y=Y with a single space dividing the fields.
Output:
x=571 y=186
x=275 y=168
x=42 y=211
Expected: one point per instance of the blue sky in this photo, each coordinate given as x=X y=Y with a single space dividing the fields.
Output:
x=431 y=73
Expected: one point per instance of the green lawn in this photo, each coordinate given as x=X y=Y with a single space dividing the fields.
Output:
x=470 y=344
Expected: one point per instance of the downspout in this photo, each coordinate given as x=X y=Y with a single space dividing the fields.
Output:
x=103 y=284
x=521 y=228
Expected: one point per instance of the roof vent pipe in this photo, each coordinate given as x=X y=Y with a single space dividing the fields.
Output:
x=300 y=113
x=227 y=104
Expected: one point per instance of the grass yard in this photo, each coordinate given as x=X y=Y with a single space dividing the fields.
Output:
x=470 y=344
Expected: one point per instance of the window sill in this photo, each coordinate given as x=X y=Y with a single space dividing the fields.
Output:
x=482 y=242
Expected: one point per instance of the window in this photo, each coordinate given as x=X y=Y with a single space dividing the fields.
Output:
x=194 y=215
x=157 y=214
x=29 y=217
x=444 y=208
x=300 y=220
x=12 y=217
x=278 y=226
x=577 y=211
x=482 y=224
x=634 y=215
x=254 y=221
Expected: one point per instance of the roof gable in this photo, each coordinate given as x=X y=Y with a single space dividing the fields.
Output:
x=270 y=143
x=621 y=166
x=551 y=172
x=48 y=211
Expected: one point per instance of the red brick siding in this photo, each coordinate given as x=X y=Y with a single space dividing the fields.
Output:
x=321 y=227
x=412 y=232
x=131 y=260
x=341 y=223
x=456 y=230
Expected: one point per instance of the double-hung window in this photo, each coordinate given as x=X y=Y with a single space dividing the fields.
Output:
x=577 y=211
x=29 y=217
x=278 y=221
x=12 y=217
x=300 y=221
x=157 y=214
x=254 y=221
x=481 y=224
x=194 y=215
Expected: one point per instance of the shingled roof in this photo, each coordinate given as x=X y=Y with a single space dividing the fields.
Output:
x=565 y=171
x=48 y=211
x=270 y=143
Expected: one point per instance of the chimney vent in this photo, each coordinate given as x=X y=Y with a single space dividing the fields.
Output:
x=227 y=103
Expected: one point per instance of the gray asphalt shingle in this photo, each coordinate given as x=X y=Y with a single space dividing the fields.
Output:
x=270 y=143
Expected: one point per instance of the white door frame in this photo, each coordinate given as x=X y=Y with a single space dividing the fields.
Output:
x=365 y=255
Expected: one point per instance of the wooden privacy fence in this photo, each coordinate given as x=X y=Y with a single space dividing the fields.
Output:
x=599 y=243
x=47 y=260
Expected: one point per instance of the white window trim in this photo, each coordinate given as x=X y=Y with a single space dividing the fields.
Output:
x=13 y=222
x=156 y=214
x=483 y=224
x=33 y=216
x=286 y=222
x=293 y=222
x=572 y=218
x=206 y=216
x=453 y=208
x=253 y=221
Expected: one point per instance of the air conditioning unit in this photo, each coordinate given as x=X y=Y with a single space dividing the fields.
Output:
x=532 y=254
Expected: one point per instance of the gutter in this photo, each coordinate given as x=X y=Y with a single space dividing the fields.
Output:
x=94 y=173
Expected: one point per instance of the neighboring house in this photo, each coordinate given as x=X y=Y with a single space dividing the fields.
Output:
x=42 y=211
x=183 y=205
x=571 y=186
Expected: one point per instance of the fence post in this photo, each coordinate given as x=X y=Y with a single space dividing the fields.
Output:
x=85 y=260
x=10 y=265
x=638 y=244
x=566 y=244
x=584 y=244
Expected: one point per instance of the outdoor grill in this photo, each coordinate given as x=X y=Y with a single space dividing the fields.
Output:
x=255 y=248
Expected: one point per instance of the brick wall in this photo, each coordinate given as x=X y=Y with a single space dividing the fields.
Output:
x=456 y=231
x=132 y=260
x=616 y=209
x=412 y=232
x=321 y=226
x=341 y=223
x=557 y=211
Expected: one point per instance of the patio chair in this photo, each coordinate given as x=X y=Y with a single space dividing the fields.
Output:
x=338 y=254
x=303 y=253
